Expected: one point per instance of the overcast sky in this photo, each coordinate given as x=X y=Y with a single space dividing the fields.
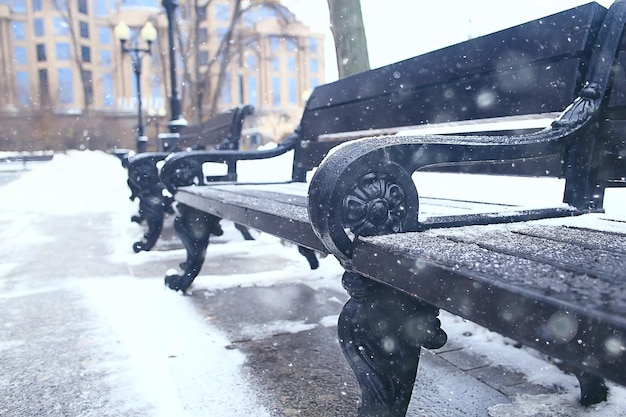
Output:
x=400 y=29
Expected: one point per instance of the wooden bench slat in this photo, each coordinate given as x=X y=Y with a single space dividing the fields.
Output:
x=515 y=296
x=594 y=239
x=531 y=266
x=265 y=211
x=570 y=256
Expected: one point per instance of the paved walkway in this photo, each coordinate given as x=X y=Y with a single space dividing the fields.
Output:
x=87 y=329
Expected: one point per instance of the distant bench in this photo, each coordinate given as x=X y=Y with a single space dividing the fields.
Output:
x=23 y=158
x=221 y=132
x=550 y=284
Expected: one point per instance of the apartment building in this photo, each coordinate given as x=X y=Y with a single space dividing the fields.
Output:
x=61 y=58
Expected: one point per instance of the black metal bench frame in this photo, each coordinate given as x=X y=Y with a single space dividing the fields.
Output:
x=362 y=205
x=221 y=132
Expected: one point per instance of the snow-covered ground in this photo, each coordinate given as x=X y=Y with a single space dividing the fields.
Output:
x=153 y=327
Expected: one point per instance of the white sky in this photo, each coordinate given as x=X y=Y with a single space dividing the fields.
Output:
x=401 y=29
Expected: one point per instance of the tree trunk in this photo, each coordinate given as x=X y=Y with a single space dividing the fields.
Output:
x=346 y=23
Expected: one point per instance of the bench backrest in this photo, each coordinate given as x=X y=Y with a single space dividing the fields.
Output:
x=613 y=159
x=533 y=68
x=222 y=131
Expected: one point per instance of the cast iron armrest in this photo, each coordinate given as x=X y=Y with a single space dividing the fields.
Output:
x=185 y=168
x=365 y=187
x=143 y=173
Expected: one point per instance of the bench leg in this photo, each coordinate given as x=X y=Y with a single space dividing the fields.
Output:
x=244 y=231
x=593 y=389
x=310 y=256
x=193 y=228
x=152 y=207
x=381 y=332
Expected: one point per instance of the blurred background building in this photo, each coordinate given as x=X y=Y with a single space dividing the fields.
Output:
x=65 y=82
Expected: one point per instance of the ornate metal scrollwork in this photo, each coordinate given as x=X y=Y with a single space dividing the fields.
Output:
x=375 y=204
x=363 y=201
x=143 y=174
x=194 y=228
x=143 y=180
x=186 y=172
x=581 y=109
x=381 y=333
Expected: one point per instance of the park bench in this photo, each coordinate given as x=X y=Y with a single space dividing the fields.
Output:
x=22 y=159
x=550 y=277
x=221 y=132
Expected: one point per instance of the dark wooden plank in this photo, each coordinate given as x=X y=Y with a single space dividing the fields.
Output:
x=209 y=133
x=542 y=58
x=283 y=215
x=553 y=306
x=474 y=98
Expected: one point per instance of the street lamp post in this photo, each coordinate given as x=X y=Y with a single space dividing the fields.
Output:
x=176 y=120
x=148 y=34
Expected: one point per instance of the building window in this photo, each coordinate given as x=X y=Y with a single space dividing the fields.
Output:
x=105 y=58
x=41 y=52
x=82 y=6
x=226 y=93
x=201 y=12
x=84 y=30
x=275 y=64
x=63 y=51
x=203 y=35
x=203 y=58
x=61 y=27
x=276 y=91
x=19 y=31
x=156 y=87
x=36 y=5
x=88 y=83
x=222 y=12
x=23 y=88
x=292 y=45
x=251 y=61
x=104 y=35
x=313 y=67
x=19 y=6
x=274 y=44
x=314 y=82
x=85 y=53
x=253 y=91
x=19 y=55
x=44 y=88
x=293 y=90
x=66 y=87
x=291 y=64
x=38 y=27
x=313 y=45
x=107 y=89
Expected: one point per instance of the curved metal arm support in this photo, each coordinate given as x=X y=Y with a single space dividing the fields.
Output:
x=231 y=142
x=363 y=180
x=185 y=168
x=143 y=172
